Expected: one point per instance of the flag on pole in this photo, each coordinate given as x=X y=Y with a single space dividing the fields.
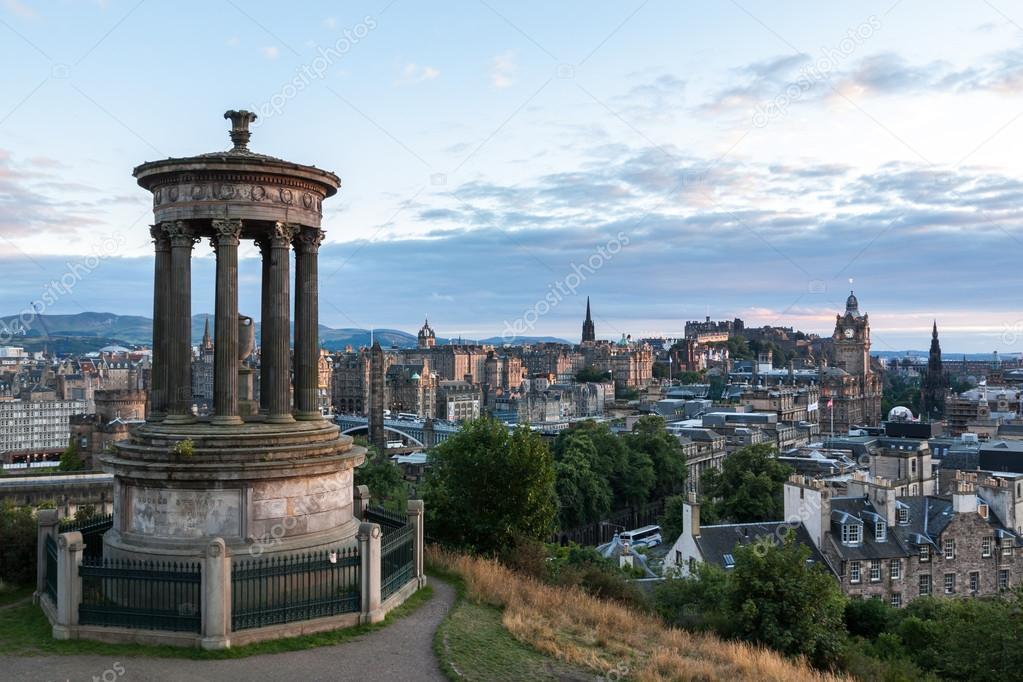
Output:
x=831 y=403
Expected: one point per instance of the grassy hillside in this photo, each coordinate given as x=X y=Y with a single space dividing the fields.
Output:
x=606 y=638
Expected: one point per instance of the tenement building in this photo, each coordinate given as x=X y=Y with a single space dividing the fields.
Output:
x=897 y=548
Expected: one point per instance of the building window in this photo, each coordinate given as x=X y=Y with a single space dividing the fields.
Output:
x=896 y=601
x=1003 y=579
x=895 y=569
x=985 y=546
x=1006 y=547
x=854 y=571
x=851 y=533
x=925 y=585
x=903 y=515
x=875 y=570
x=950 y=549
x=974 y=581
x=925 y=553
x=880 y=531
x=950 y=583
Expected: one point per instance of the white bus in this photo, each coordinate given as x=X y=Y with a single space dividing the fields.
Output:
x=647 y=536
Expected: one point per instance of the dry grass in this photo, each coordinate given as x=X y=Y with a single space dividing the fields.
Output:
x=607 y=638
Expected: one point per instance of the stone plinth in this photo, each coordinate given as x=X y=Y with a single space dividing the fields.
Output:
x=264 y=488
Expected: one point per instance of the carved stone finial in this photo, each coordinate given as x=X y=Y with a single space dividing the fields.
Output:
x=240 y=134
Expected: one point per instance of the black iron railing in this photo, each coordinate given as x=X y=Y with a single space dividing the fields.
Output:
x=390 y=521
x=92 y=530
x=141 y=594
x=397 y=560
x=51 y=567
x=275 y=590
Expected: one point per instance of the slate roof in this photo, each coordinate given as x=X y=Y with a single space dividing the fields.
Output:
x=859 y=509
x=717 y=543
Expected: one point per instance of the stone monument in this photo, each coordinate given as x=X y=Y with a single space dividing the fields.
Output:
x=269 y=478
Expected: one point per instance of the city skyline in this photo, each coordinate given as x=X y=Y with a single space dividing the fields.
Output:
x=753 y=162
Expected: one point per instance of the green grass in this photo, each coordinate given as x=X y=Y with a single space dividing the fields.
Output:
x=25 y=631
x=473 y=644
x=12 y=593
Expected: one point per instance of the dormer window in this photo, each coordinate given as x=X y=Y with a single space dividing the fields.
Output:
x=880 y=531
x=902 y=515
x=852 y=533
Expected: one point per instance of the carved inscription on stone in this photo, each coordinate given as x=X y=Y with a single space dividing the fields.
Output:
x=164 y=513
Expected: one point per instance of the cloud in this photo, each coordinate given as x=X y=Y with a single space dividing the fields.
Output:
x=502 y=70
x=772 y=243
x=414 y=73
x=652 y=99
x=795 y=78
x=32 y=199
x=271 y=52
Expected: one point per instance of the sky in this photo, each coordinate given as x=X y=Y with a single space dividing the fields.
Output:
x=501 y=161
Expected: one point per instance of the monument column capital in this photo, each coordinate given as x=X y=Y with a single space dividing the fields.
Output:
x=160 y=240
x=226 y=233
x=281 y=234
x=179 y=233
x=308 y=239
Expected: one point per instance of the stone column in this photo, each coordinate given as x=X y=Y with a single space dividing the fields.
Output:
x=161 y=285
x=276 y=354
x=307 y=338
x=226 y=237
x=369 y=551
x=46 y=525
x=415 y=517
x=264 y=326
x=178 y=331
x=361 y=499
x=69 y=584
x=216 y=596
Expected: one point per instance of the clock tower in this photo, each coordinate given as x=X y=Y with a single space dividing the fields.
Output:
x=851 y=386
x=852 y=339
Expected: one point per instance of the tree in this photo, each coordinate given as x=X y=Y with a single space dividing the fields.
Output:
x=583 y=494
x=671 y=521
x=747 y=488
x=630 y=473
x=486 y=488
x=780 y=600
x=70 y=459
x=697 y=601
x=592 y=374
x=649 y=436
x=383 y=478
x=17 y=544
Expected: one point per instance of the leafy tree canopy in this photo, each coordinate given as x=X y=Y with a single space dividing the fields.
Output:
x=747 y=488
x=486 y=488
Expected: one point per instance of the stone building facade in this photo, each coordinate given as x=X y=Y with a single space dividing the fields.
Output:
x=853 y=384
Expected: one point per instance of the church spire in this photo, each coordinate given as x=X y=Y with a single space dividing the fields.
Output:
x=588 y=330
x=207 y=342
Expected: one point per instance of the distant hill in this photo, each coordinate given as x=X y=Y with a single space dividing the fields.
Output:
x=85 y=332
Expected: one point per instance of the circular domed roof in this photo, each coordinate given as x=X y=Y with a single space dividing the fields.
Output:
x=852 y=305
x=900 y=413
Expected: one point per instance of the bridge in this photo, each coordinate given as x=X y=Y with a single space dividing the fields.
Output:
x=410 y=430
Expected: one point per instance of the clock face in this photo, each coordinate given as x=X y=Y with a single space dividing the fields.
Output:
x=849 y=332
